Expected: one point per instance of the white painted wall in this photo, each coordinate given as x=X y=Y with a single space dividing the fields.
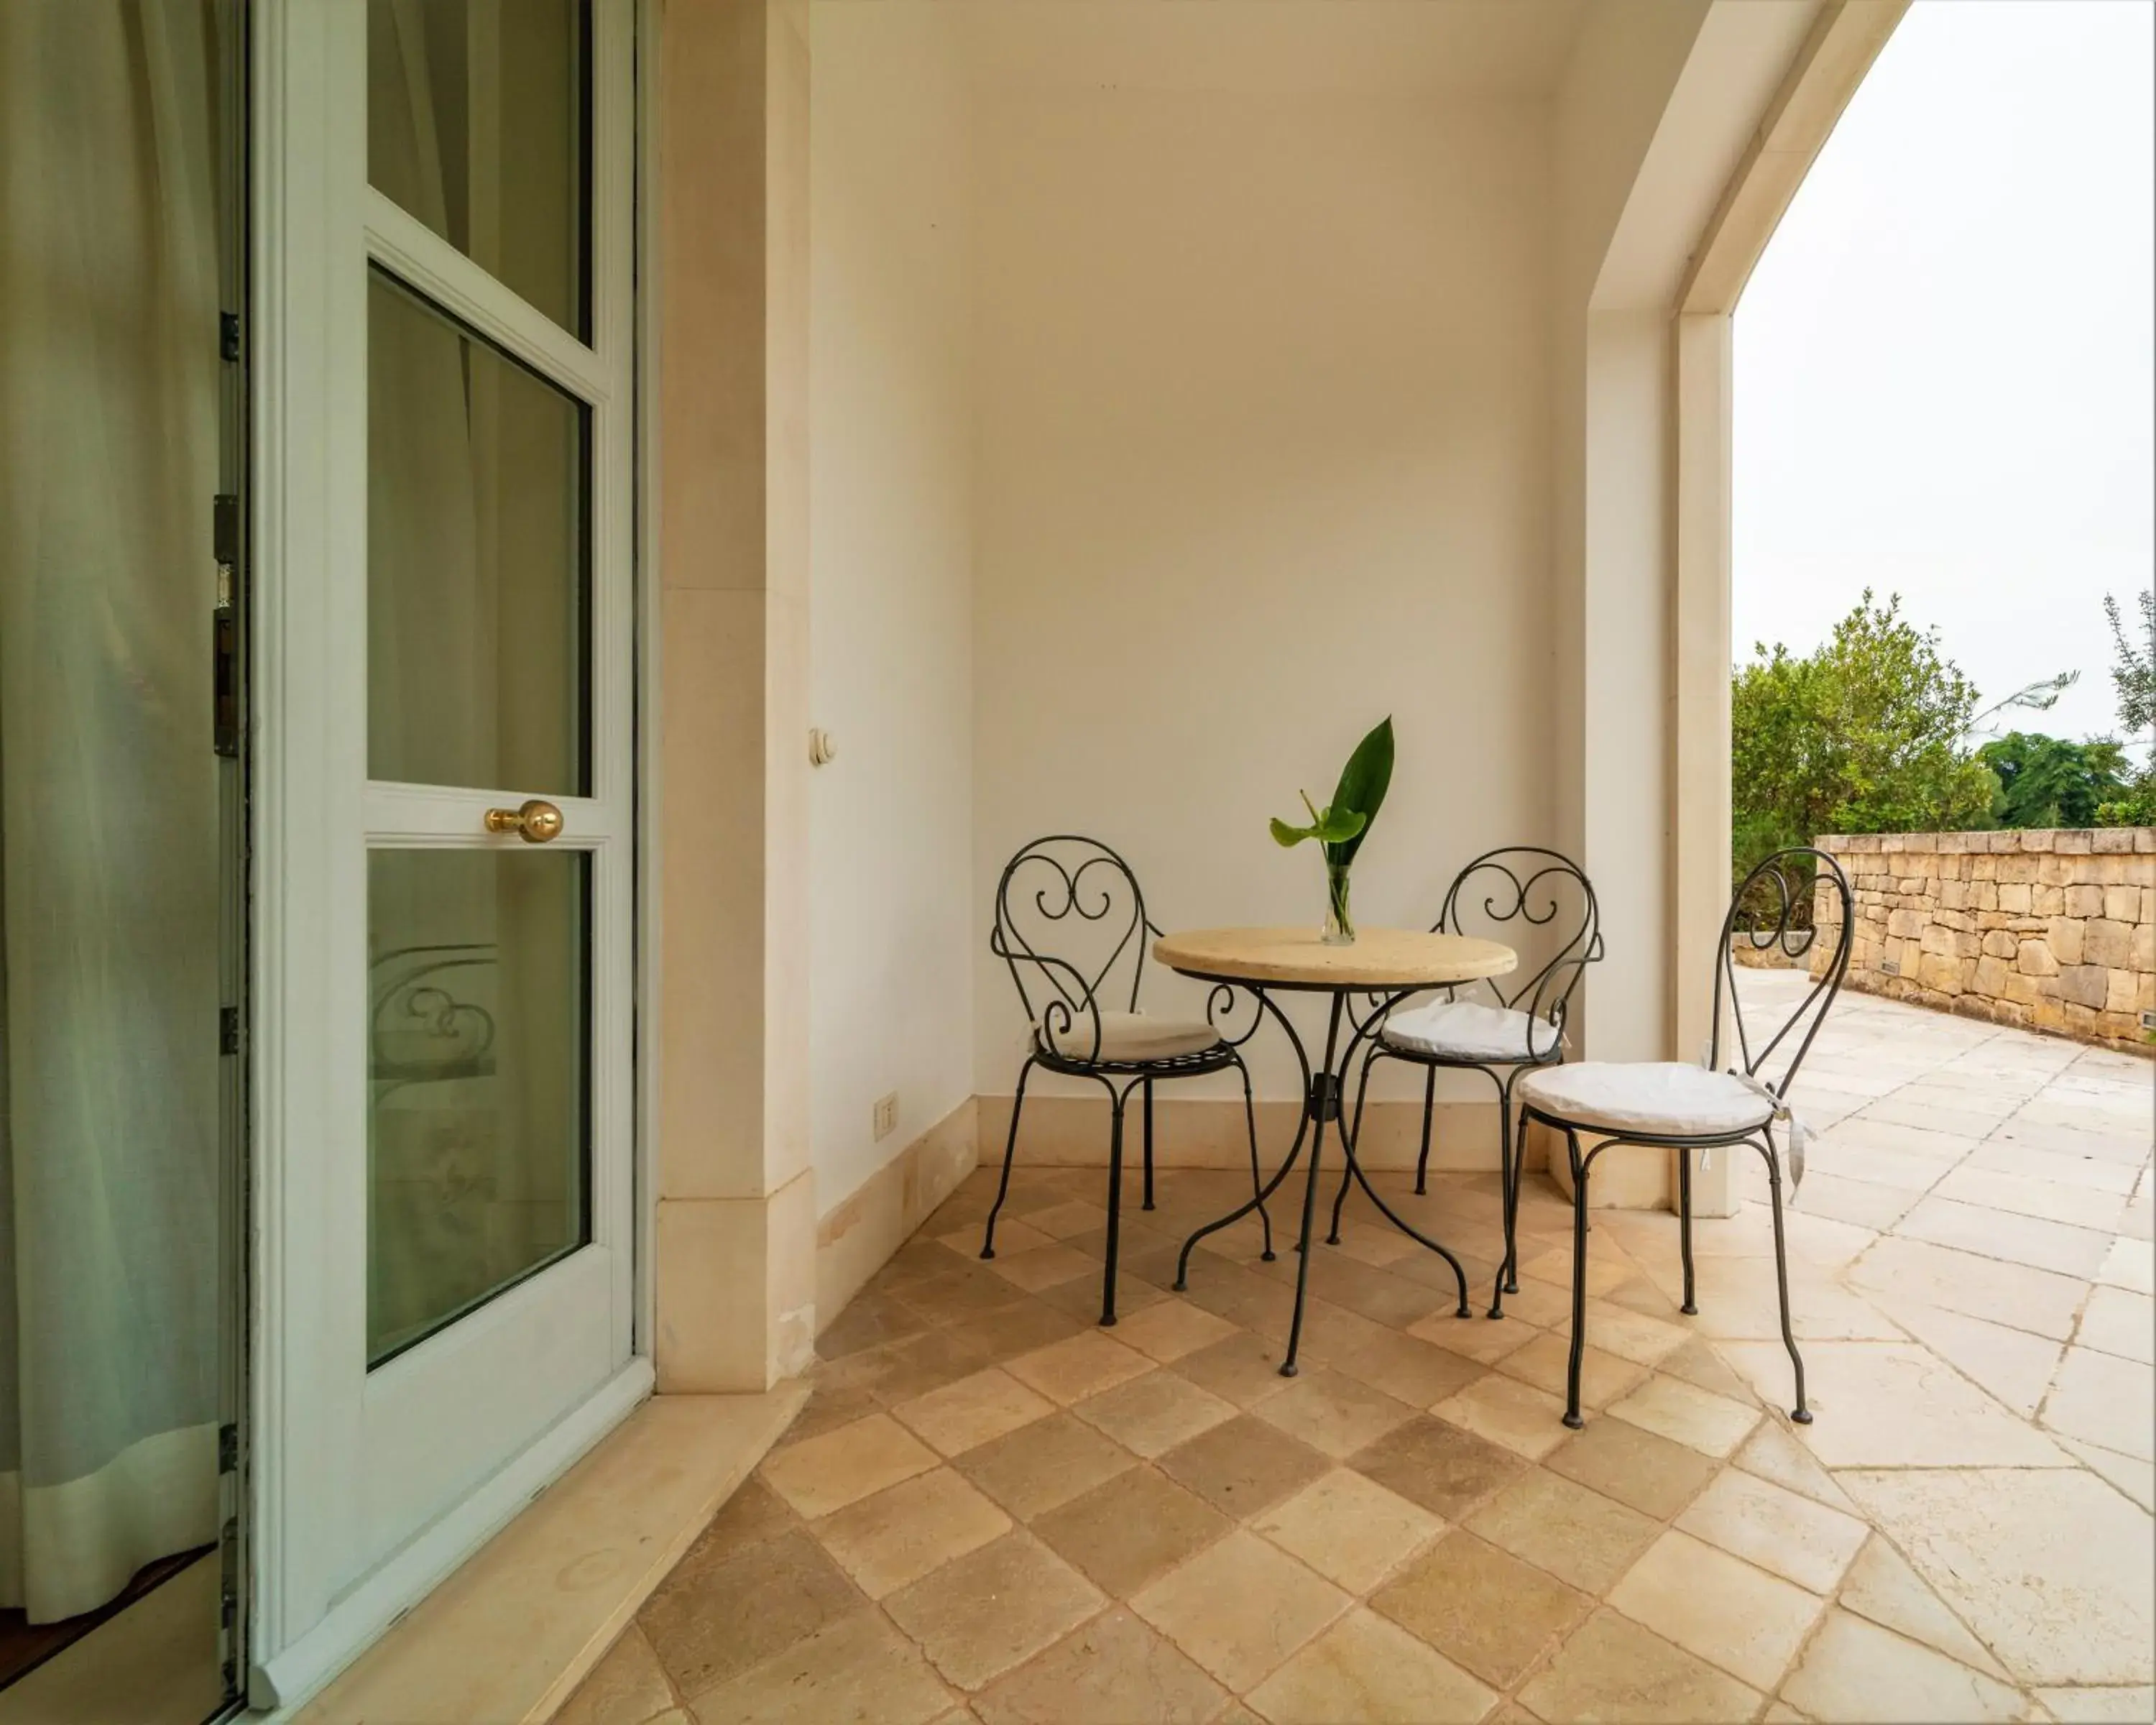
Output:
x=1264 y=455
x=1178 y=416
x=895 y=914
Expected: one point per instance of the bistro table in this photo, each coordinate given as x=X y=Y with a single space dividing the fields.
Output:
x=1387 y=965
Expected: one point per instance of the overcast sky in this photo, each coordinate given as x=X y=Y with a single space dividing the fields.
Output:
x=1944 y=360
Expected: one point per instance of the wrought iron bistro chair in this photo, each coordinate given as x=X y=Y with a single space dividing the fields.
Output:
x=1697 y=1109
x=1076 y=894
x=1510 y=1031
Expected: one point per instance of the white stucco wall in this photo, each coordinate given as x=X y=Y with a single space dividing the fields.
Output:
x=895 y=918
x=1264 y=455
x=1171 y=428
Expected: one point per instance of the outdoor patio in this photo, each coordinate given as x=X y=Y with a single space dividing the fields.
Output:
x=992 y=1510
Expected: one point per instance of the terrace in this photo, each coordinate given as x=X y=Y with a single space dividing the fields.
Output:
x=991 y=1510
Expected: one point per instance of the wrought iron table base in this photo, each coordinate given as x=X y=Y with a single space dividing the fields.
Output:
x=1322 y=1093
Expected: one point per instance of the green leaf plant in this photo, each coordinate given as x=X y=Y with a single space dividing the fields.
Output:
x=1343 y=825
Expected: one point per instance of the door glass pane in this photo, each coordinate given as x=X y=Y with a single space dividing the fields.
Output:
x=478 y=1109
x=478 y=123
x=478 y=559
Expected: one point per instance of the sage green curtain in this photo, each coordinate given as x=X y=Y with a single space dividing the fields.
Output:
x=109 y=845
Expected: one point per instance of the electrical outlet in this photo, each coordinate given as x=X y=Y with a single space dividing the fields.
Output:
x=885 y=1122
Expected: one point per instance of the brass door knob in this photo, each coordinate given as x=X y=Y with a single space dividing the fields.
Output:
x=535 y=821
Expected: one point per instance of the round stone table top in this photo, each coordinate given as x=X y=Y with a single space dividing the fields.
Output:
x=1377 y=958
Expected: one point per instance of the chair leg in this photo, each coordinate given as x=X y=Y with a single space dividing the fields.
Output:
x=1579 y=1283
x=1508 y=1197
x=1010 y=1148
x=1353 y=1136
x=1690 y=1306
x=1508 y=1274
x=1801 y=1413
x=1149 y=1143
x=1257 y=1178
x=1115 y=1203
x=1429 y=1109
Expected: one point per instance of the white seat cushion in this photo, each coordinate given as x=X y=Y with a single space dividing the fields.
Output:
x=1664 y=1097
x=1468 y=1030
x=1127 y=1036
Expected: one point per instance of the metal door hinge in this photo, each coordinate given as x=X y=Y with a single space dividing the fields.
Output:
x=228 y=1449
x=228 y=1562
x=228 y=334
x=224 y=626
x=228 y=1038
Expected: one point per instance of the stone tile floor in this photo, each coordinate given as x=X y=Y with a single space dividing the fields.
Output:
x=992 y=1510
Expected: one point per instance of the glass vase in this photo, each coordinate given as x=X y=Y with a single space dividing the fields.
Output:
x=1339 y=919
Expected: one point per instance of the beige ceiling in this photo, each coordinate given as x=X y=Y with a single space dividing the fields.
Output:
x=1507 y=48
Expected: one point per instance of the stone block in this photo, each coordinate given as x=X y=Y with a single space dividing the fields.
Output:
x=2021 y=869
x=2059 y=870
x=1920 y=842
x=1984 y=894
x=2121 y=903
x=2120 y=991
x=1893 y=843
x=1982 y=868
x=1946 y=918
x=2034 y=959
x=2104 y=841
x=2147 y=911
x=2143 y=957
x=2048 y=1014
x=1953 y=895
x=1989 y=979
x=2073 y=843
x=2028 y=925
x=1904 y=925
x=2107 y=942
x=2077 y=1019
x=2026 y=990
x=2118 y=1027
x=1938 y=970
x=2118 y=871
x=2047 y=900
x=2085 y=985
x=2003 y=841
x=2014 y=898
x=2081 y=900
x=1998 y=942
x=2063 y=935
x=1952 y=843
x=2144 y=840
x=1911 y=887
x=2032 y=838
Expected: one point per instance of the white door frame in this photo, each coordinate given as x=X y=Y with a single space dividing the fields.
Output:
x=327 y=1578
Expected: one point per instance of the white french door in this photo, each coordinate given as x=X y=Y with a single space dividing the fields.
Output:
x=445 y=811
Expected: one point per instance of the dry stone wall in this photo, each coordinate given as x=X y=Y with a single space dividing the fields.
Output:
x=2048 y=930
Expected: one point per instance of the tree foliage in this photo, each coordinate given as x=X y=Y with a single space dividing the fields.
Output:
x=1864 y=735
x=2134 y=671
x=2048 y=782
x=2133 y=680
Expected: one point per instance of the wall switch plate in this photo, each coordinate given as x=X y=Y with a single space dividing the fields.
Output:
x=2148 y=1020
x=1887 y=967
x=885 y=1120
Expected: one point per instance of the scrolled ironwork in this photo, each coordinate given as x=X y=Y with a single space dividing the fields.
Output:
x=1052 y=887
x=1226 y=1005
x=1542 y=888
x=1785 y=884
x=421 y=1030
x=1054 y=894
